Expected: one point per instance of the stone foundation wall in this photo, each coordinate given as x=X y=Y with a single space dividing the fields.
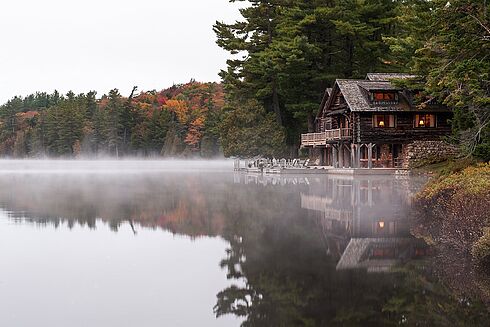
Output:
x=419 y=153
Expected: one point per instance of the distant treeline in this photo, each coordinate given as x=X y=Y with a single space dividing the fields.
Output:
x=178 y=121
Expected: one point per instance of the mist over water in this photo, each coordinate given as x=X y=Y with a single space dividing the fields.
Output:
x=123 y=166
x=191 y=243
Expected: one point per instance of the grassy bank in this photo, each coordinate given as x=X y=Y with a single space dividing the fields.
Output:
x=452 y=213
x=456 y=207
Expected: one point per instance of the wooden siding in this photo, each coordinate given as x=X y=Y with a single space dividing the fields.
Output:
x=404 y=130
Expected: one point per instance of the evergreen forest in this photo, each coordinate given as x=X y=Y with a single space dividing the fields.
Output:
x=282 y=56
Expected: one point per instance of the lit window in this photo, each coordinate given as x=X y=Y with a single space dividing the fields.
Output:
x=382 y=121
x=426 y=120
x=384 y=97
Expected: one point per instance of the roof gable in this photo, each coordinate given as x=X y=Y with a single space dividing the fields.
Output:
x=357 y=93
x=326 y=96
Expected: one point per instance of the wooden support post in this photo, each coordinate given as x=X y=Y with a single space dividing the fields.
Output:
x=370 y=193
x=328 y=156
x=352 y=156
x=341 y=156
x=370 y=155
x=334 y=157
x=358 y=155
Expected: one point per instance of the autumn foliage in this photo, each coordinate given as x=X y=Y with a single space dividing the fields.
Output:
x=178 y=121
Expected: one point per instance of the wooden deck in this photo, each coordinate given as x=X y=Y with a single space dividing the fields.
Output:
x=316 y=139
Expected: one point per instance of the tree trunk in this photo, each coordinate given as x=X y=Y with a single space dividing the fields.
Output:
x=311 y=123
x=275 y=103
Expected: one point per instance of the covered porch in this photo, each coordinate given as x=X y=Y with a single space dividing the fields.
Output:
x=361 y=155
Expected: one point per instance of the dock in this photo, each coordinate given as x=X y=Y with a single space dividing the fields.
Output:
x=299 y=167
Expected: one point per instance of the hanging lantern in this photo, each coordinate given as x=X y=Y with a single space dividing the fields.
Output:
x=381 y=224
x=421 y=122
x=381 y=124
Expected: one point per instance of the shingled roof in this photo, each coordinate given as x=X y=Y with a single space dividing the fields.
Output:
x=388 y=76
x=356 y=255
x=355 y=93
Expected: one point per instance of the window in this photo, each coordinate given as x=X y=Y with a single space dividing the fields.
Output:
x=384 y=97
x=383 y=253
x=383 y=121
x=425 y=120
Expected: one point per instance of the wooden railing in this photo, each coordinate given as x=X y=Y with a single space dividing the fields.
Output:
x=314 y=139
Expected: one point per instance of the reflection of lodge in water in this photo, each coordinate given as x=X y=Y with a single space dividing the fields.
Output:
x=364 y=222
x=258 y=179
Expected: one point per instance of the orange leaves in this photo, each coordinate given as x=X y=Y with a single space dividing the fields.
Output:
x=194 y=133
x=190 y=116
x=190 y=104
x=27 y=115
x=103 y=103
x=180 y=108
x=23 y=119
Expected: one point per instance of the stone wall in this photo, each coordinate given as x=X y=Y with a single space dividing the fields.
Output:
x=418 y=153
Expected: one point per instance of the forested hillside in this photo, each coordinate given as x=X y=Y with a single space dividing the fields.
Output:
x=284 y=53
x=178 y=121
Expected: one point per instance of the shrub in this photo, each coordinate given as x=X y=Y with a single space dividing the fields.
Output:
x=481 y=248
x=482 y=151
x=470 y=181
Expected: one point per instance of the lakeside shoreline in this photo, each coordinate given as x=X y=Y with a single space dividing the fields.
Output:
x=452 y=213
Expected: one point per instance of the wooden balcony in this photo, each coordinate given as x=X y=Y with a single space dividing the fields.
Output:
x=315 y=139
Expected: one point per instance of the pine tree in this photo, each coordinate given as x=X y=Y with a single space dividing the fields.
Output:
x=456 y=63
x=289 y=51
x=248 y=131
x=115 y=126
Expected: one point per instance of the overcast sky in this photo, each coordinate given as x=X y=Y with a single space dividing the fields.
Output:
x=104 y=44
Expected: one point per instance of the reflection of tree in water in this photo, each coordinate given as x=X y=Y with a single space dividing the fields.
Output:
x=286 y=255
x=180 y=204
x=279 y=253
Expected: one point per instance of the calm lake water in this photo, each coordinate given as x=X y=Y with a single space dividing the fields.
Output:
x=173 y=243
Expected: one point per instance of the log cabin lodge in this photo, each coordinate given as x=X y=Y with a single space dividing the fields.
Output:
x=372 y=123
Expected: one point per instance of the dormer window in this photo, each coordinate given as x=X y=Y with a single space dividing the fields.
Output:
x=384 y=97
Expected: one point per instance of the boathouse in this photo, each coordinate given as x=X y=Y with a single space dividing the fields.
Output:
x=373 y=123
